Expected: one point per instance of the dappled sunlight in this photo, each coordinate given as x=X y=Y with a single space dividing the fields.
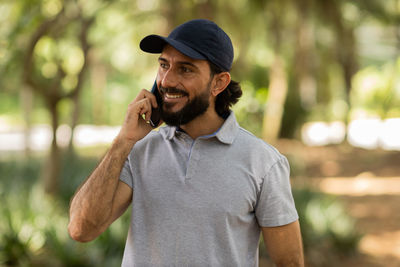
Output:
x=381 y=245
x=90 y=135
x=374 y=202
x=323 y=133
x=390 y=134
x=363 y=184
x=40 y=137
x=369 y=133
x=63 y=133
x=364 y=133
x=146 y=5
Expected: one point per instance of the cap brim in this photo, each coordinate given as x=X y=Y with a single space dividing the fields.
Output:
x=155 y=44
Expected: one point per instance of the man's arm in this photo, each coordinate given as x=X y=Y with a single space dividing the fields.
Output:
x=102 y=198
x=284 y=244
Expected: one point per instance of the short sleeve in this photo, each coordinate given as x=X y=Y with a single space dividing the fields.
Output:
x=126 y=174
x=275 y=206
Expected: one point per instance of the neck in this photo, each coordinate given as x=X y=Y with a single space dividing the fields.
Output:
x=205 y=124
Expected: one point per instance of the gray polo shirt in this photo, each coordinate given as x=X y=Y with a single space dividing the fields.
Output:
x=202 y=202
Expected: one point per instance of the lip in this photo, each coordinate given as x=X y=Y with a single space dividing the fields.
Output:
x=169 y=90
x=173 y=95
x=174 y=98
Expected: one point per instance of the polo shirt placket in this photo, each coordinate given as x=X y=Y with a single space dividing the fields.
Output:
x=192 y=154
x=195 y=155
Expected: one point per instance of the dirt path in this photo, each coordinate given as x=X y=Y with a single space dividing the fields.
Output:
x=375 y=204
x=368 y=184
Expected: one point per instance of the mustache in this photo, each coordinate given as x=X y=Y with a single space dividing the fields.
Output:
x=172 y=90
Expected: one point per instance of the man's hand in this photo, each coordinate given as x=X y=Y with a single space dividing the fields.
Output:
x=136 y=124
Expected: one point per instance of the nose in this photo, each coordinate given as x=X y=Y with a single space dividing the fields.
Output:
x=169 y=79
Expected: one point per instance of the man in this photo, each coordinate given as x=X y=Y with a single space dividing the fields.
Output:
x=202 y=188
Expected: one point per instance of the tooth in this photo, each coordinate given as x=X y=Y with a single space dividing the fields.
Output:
x=173 y=96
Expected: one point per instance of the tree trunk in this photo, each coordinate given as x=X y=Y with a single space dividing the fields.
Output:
x=278 y=81
x=306 y=83
x=347 y=57
x=169 y=12
x=74 y=121
x=276 y=99
x=52 y=91
x=345 y=47
x=26 y=96
x=51 y=171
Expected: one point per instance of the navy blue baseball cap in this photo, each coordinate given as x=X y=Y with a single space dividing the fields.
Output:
x=197 y=39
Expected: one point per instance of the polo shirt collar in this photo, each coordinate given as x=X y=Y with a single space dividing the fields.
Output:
x=226 y=134
x=228 y=131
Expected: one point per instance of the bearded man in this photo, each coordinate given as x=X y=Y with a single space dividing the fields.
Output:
x=201 y=189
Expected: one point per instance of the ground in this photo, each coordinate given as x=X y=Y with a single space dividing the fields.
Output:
x=367 y=182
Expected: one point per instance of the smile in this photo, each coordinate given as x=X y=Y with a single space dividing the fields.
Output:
x=173 y=96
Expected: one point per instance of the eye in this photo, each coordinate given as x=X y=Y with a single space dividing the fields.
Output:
x=163 y=65
x=186 y=70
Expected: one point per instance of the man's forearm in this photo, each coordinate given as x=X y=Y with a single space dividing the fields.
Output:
x=91 y=207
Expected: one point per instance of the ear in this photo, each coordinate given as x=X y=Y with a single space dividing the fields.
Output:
x=221 y=81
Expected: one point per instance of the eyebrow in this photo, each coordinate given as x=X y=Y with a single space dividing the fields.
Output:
x=180 y=62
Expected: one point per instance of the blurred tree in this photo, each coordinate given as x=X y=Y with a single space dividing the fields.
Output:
x=295 y=58
x=62 y=70
x=344 y=44
x=278 y=77
x=275 y=15
x=304 y=54
x=54 y=59
x=326 y=56
x=374 y=90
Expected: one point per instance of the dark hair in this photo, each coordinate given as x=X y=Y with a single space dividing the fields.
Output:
x=229 y=96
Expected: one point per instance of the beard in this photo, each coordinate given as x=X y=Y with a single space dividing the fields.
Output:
x=194 y=108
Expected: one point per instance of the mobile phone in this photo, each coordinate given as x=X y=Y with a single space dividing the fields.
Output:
x=155 y=117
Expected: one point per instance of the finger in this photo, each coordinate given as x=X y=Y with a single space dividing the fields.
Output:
x=151 y=96
x=147 y=94
x=141 y=95
x=145 y=109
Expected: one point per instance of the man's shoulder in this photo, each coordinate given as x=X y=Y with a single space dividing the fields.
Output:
x=258 y=147
x=247 y=141
x=248 y=137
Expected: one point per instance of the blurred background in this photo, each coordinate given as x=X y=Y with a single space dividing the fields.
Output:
x=321 y=82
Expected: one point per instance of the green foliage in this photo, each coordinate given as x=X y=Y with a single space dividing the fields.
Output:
x=74 y=171
x=33 y=226
x=9 y=104
x=328 y=232
x=325 y=224
x=377 y=90
x=249 y=110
